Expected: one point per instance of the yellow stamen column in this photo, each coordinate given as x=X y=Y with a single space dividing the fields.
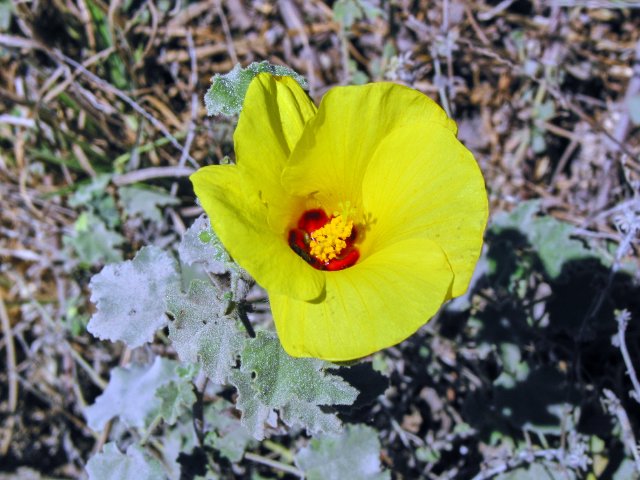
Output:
x=327 y=242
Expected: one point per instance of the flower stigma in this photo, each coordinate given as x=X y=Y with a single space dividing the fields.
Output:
x=326 y=243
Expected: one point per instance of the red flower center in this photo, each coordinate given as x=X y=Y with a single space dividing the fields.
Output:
x=325 y=243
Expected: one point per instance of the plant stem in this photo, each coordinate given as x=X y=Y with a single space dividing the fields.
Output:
x=274 y=464
x=622 y=318
x=198 y=410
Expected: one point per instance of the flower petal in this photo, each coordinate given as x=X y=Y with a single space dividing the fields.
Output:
x=239 y=219
x=336 y=146
x=274 y=113
x=370 y=306
x=422 y=182
x=273 y=116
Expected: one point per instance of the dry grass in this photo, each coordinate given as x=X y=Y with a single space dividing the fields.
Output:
x=540 y=94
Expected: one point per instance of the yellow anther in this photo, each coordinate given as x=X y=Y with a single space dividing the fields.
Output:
x=327 y=242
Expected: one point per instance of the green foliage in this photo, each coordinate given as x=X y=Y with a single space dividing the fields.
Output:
x=6 y=12
x=227 y=434
x=273 y=379
x=551 y=239
x=200 y=330
x=144 y=202
x=227 y=92
x=89 y=192
x=514 y=369
x=541 y=112
x=132 y=395
x=93 y=238
x=111 y=464
x=347 y=12
x=201 y=246
x=278 y=377
x=93 y=242
x=254 y=412
x=358 y=77
x=179 y=439
x=494 y=389
x=354 y=454
x=94 y=197
x=176 y=398
x=130 y=297
x=74 y=320
x=115 y=65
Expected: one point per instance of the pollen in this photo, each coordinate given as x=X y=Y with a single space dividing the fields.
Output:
x=324 y=242
x=329 y=241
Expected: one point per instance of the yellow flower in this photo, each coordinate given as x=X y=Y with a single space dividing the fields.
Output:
x=359 y=217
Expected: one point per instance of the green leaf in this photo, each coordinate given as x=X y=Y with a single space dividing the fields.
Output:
x=273 y=379
x=111 y=464
x=200 y=245
x=105 y=208
x=544 y=111
x=355 y=454
x=227 y=435
x=130 y=297
x=358 y=77
x=254 y=413
x=347 y=12
x=86 y=193
x=94 y=197
x=178 y=439
x=280 y=377
x=427 y=454
x=519 y=218
x=200 y=332
x=131 y=395
x=6 y=12
x=227 y=92
x=92 y=242
x=551 y=238
x=309 y=416
x=538 y=141
x=145 y=202
x=176 y=398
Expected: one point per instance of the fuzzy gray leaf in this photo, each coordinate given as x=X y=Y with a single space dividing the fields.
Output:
x=551 y=238
x=309 y=416
x=145 y=202
x=254 y=413
x=130 y=297
x=176 y=398
x=227 y=92
x=87 y=192
x=200 y=332
x=93 y=242
x=355 y=454
x=227 y=435
x=271 y=379
x=280 y=378
x=131 y=395
x=137 y=464
x=200 y=245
